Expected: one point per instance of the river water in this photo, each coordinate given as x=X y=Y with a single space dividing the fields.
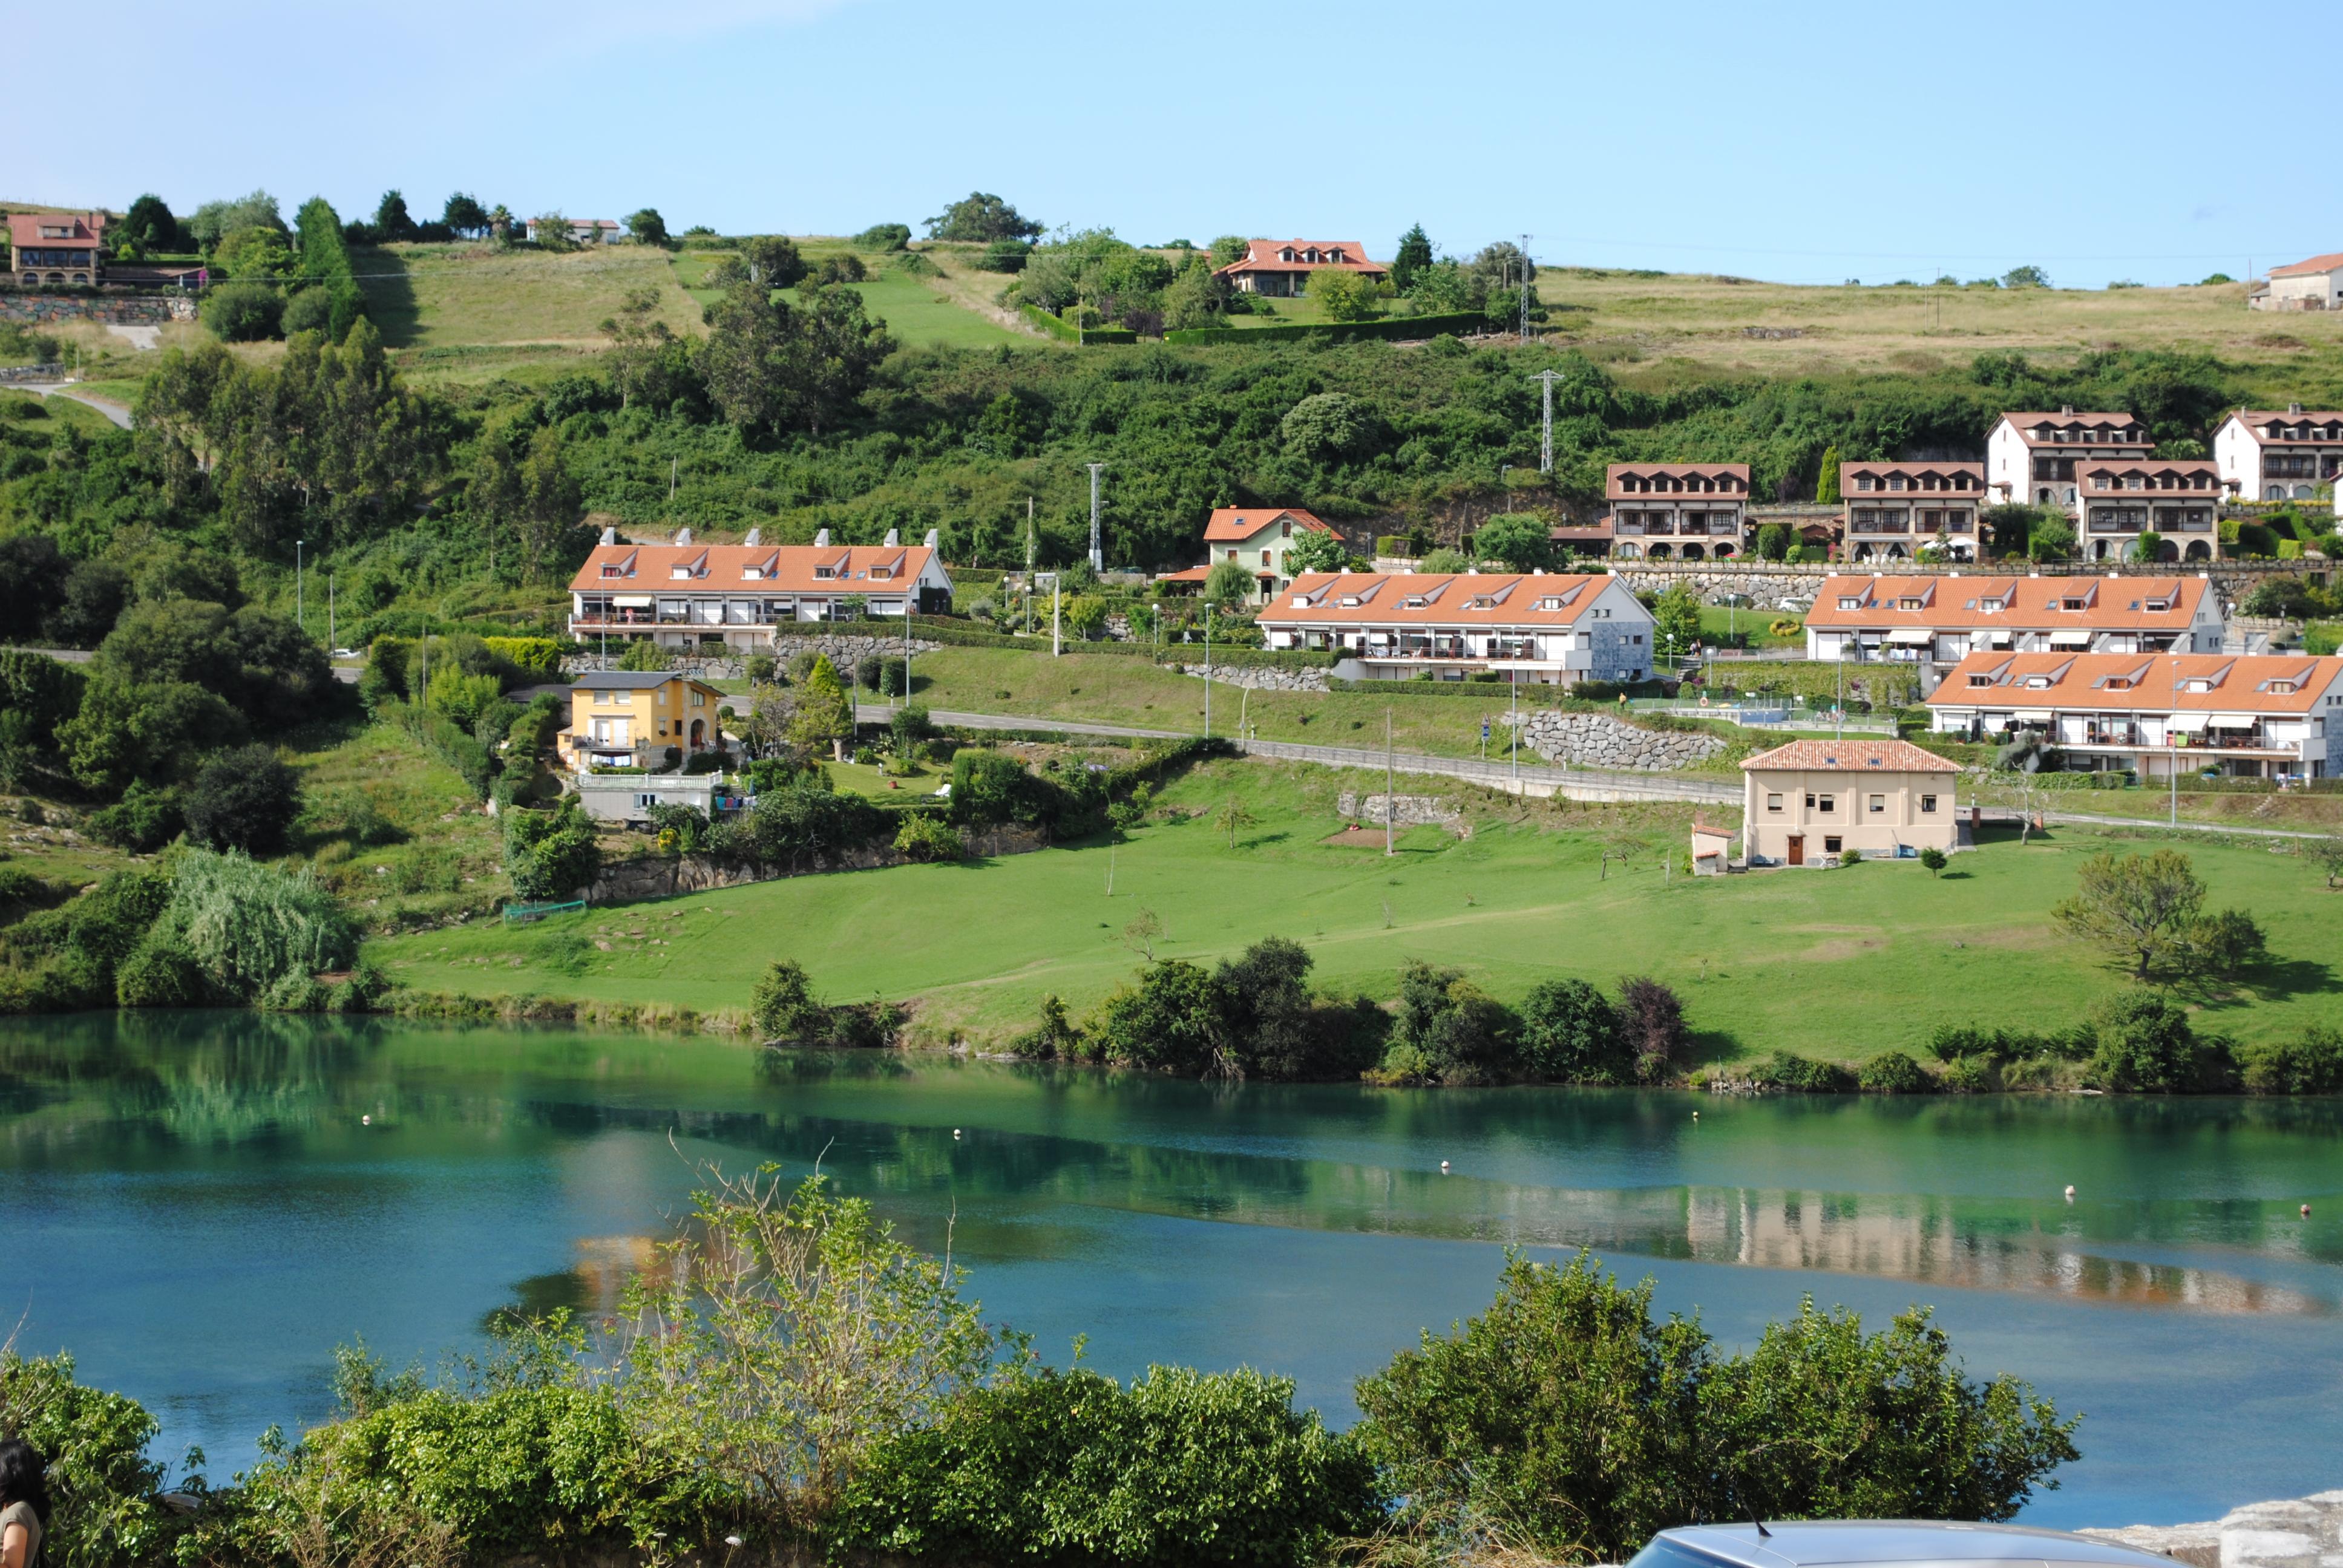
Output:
x=201 y=1206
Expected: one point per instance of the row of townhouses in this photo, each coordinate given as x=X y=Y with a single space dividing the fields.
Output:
x=685 y=594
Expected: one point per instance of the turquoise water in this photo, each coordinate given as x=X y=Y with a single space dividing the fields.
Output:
x=201 y=1206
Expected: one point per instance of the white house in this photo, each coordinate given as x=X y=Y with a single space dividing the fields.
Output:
x=2313 y=285
x=2247 y=715
x=1691 y=511
x=2264 y=455
x=2179 y=498
x=1934 y=621
x=1891 y=509
x=684 y=595
x=2029 y=459
x=1538 y=629
x=585 y=230
x=1255 y=537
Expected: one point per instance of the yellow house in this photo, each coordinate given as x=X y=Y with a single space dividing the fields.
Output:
x=624 y=719
x=1809 y=802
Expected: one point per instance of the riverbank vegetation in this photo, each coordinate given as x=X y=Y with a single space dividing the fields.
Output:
x=792 y=1381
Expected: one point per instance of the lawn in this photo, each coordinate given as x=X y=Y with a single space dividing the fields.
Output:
x=952 y=309
x=439 y=296
x=59 y=413
x=1756 y=622
x=1835 y=963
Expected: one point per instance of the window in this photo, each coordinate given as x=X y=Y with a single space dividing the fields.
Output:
x=1773 y=802
x=1878 y=804
x=699 y=699
x=1827 y=803
x=1830 y=845
x=1285 y=528
x=1928 y=805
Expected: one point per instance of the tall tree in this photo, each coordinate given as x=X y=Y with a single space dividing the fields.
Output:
x=147 y=227
x=463 y=214
x=1414 y=255
x=2140 y=908
x=638 y=340
x=980 y=217
x=391 y=218
x=647 y=227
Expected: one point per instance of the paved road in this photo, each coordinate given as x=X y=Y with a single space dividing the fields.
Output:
x=113 y=411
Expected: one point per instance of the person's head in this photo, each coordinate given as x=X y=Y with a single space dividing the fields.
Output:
x=24 y=1477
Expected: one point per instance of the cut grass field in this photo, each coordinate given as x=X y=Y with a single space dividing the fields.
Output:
x=1838 y=964
x=951 y=309
x=426 y=298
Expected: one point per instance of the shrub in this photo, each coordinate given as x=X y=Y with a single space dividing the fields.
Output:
x=1570 y=1034
x=1850 y=856
x=1803 y=1075
x=1061 y=1467
x=1932 y=859
x=247 y=926
x=102 y=1485
x=884 y=236
x=244 y=312
x=1175 y=1020
x=784 y=1007
x=1893 y=1072
x=243 y=800
x=145 y=818
x=927 y=839
x=1972 y=1075
x=1447 y=1029
x=161 y=974
x=644 y=655
x=2148 y=1046
x=2312 y=1064
x=1652 y=1025
x=550 y=855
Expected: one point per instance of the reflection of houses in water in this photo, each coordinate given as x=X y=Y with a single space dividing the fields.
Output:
x=1902 y=1238
x=604 y=1264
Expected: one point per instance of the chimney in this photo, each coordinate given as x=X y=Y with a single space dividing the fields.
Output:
x=932 y=541
x=2065 y=410
x=683 y=535
x=756 y=537
x=892 y=540
x=609 y=536
x=821 y=540
x=2294 y=407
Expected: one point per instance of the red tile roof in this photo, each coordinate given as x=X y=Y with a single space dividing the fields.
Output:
x=783 y=568
x=1957 y=603
x=2331 y=262
x=1234 y=525
x=1912 y=473
x=1675 y=478
x=1488 y=599
x=25 y=229
x=2111 y=476
x=2140 y=683
x=2025 y=422
x=2257 y=423
x=1261 y=255
x=1854 y=754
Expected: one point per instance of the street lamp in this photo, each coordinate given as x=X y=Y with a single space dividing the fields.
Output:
x=298 y=617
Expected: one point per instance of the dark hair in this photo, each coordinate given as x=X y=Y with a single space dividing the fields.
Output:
x=23 y=1478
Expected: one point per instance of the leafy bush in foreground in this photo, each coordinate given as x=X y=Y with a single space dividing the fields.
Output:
x=102 y=1485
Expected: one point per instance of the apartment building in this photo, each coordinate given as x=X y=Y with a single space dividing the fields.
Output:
x=1539 y=629
x=2120 y=498
x=2243 y=715
x=1681 y=511
x=2265 y=456
x=2030 y=458
x=1890 y=509
x=688 y=594
x=1935 y=622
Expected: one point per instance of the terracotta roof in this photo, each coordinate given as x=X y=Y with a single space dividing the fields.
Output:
x=2197 y=476
x=1850 y=472
x=1957 y=603
x=2150 y=682
x=783 y=568
x=2331 y=261
x=1191 y=575
x=25 y=229
x=2258 y=420
x=1675 y=477
x=1487 y=600
x=2025 y=422
x=1855 y=754
x=1261 y=255
x=1234 y=525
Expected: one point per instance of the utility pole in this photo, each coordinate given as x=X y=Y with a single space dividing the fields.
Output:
x=1526 y=288
x=670 y=482
x=1057 y=598
x=299 y=619
x=1097 y=555
x=1545 y=446
x=1389 y=779
x=330 y=638
x=1208 y=670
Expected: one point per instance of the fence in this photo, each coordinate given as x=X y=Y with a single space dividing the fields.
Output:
x=522 y=914
x=1505 y=775
x=22 y=373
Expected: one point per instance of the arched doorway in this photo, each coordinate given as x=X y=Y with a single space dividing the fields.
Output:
x=1692 y=552
x=1628 y=552
x=1725 y=552
x=1660 y=552
x=2198 y=551
x=699 y=735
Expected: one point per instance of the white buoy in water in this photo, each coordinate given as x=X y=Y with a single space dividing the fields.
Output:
x=1695 y=1116
x=366 y=1121
x=955 y=1132
x=2305 y=1211
x=2070 y=1191
x=1444 y=1166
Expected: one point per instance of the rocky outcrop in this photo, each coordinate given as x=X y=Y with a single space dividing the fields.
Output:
x=2306 y=1533
x=1599 y=740
x=1406 y=811
x=671 y=876
x=1262 y=677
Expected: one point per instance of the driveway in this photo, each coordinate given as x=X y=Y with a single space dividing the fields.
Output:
x=112 y=410
x=142 y=337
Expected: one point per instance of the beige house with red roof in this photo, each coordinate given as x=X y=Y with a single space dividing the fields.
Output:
x=56 y=249
x=1809 y=802
x=2177 y=498
x=1255 y=537
x=2256 y=716
x=1537 y=628
x=2313 y=285
x=1685 y=511
x=1282 y=267
x=690 y=595
x=2029 y=459
x=2266 y=456
x=1935 y=621
x=1891 y=509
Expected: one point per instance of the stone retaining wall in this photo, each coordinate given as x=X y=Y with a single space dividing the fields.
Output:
x=1599 y=740
x=125 y=310
x=1407 y=811
x=1262 y=677
x=669 y=875
x=844 y=652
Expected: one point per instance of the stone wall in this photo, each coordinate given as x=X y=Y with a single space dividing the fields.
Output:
x=669 y=875
x=1262 y=677
x=2301 y=1534
x=124 y=309
x=1407 y=811
x=1599 y=740
x=1764 y=582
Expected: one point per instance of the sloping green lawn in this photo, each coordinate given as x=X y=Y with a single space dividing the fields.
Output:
x=1839 y=964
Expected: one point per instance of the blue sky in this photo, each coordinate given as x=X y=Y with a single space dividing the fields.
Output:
x=1809 y=144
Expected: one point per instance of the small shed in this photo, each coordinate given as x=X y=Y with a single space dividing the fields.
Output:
x=1712 y=849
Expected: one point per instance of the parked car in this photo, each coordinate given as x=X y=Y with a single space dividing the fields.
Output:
x=1882 y=1543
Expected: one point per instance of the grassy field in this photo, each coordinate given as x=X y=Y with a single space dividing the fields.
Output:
x=62 y=412
x=428 y=297
x=1838 y=964
x=952 y=309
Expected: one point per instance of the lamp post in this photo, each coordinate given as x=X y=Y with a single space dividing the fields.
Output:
x=298 y=617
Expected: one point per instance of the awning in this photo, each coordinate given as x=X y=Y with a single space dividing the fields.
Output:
x=2070 y=639
x=2032 y=716
x=2186 y=723
x=1997 y=636
x=631 y=601
x=1913 y=637
x=2233 y=721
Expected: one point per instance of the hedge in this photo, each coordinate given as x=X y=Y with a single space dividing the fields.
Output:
x=447 y=740
x=1067 y=332
x=1456 y=321
x=1259 y=658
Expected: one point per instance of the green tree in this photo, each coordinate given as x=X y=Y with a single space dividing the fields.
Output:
x=1316 y=551
x=1827 y=480
x=2139 y=908
x=254 y=253
x=1196 y=297
x=1774 y=541
x=2326 y=852
x=1934 y=860
x=391 y=219
x=2148 y=1046
x=148 y=228
x=1676 y=620
x=1412 y=256
x=980 y=217
x=2051 y=539
x=1086 y=616
x=550 y=231
x=884 y=236
x=640 y=343
x=239 y=311
x=215 y=219
x=1174 y=1019
x=245 y=799
x=645 y=227
x=2027 y=277
x=551 y=855
x=1234 y=817
x=1523 y=541
x=463 y=214
x=784 y=1007
x=1570 y=1034
x=1332 y=427
x=1343 y=294
x=1230 y=584
x=825 y=714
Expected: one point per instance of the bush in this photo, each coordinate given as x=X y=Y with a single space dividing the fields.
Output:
x=2147 y=1046
x=161 y=974
x=145 y=818
x=1447 y=1029
x=1005 y=256
x=247 y=926
x=102 y=1486
x=244 y=799
x=1566 y=1421
x=2312 y=1064
x=1181 y=1467
x=643 y=655
x=1893 y=1072
x=884 y=236
x=926 y=839
x=1570 y=1034
x=1174 y=1019
x=1401 y=327
x=1972 y=1075
x=785 y=1011
x=551 y=856
x=1801 y=1075
x=244 y=312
